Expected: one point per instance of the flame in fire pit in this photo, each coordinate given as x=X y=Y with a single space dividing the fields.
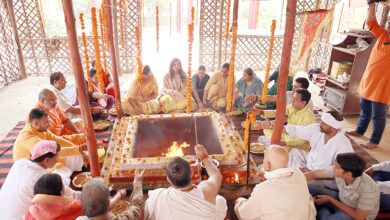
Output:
x=176 y=150
x=236 y=179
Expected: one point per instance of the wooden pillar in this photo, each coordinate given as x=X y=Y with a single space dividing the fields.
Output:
x=81 y=86
x=284 y=70
x=116 y=39
x=234 y=45
x=113 y=59
x=11 y=13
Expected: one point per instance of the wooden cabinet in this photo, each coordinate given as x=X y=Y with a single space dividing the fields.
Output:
x=344 y=97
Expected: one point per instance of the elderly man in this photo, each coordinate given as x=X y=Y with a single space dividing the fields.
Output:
x=374 y=86
x=95 y=200
x=326 y=140
x=298 y=113
x=71 y=156
x=185 y=200
x=216 y=89
x=17 y=191
x=284 y=194
x=60 y=125
x=357 y=196
x=58 y=82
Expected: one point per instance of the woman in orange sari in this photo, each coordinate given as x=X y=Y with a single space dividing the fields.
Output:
x=141 y=99
x=49 y=201
x=175 y=84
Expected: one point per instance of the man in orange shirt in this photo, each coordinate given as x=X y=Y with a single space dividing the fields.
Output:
x=374 y=86
x=60 y=125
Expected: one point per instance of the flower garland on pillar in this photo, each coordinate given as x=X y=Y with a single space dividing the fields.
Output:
x=98 y=64
x=103 y=37
x=105 y=25
x=341 y=16
x=231 y=69
x=170 y=19
x=121 y=23
x=271 y=46
x=157 y=28
x=189 y=81
x=227 y=20
x=281 y=16
x=250 y=117
x=143 y=13
x=139 y=52
x=197 y=13
x=86 y=58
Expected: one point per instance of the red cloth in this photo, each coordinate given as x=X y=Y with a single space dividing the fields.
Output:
x=106 y=81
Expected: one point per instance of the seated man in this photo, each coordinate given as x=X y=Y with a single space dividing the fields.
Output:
x=326 y=140
x=216 y=89
x=141 y=99
x=300 y=83
x=247 y=85
x=357 y=196
x=199 y=81
x=185 y=200
x=17 y=191
x=272 y=91
x=297 y=113
x=60 y=125
x=283 y=195
x=71 y=156
x=381 y=175
x=58 y=82
x=95 y=200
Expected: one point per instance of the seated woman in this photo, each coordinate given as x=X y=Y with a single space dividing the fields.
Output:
x=141 y=99
x=108 y=83
x=49 y=201
x=175 y=88
x=248 y=84
x=199 y=81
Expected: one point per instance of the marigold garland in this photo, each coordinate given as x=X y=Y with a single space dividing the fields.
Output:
x=231 y=69
x=189 y=80
x=170 y=19
x=143 y=13
x=250 y=117
x=281 y=16
x=86 y=58
x=341 y=16
x=197 y=13
x=271 y=46
x=105 y=25
x=227 y=20
x=139 y=61
x=121 y=23
x=157 y=28
x=98 y=64
x=103 y=39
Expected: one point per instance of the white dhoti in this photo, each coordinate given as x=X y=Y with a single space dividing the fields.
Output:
x=173 y=204
x=297 y=158
x=73 y=163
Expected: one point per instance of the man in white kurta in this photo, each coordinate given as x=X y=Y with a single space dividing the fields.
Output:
x=283 y=195
x=17 y=191
x=326 y=140
x=185 y=200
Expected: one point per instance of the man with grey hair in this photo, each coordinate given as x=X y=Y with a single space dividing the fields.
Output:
x=95 y=200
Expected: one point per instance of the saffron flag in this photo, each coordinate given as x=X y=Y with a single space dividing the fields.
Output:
x=312 y=23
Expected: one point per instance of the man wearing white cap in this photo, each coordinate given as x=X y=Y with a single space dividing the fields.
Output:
x=326 y=140
x=18 y=190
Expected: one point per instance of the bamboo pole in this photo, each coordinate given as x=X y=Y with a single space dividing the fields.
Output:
x=11 y=13
x=113 y=59
x=284 y=69
x=81 y=86
x=116 y=38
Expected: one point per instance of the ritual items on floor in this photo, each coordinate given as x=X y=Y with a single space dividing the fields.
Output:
x=149 y=142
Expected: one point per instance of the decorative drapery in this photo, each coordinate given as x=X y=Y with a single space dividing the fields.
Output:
x=253 y=14
x=312 y=22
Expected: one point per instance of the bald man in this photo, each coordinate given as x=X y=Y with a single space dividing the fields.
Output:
x=60 y=125
x=283 y=195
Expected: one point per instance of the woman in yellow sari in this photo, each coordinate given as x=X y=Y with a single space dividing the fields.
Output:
x=141 y=99
x=175 y=84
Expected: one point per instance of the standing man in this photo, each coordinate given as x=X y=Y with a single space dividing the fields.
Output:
x=373 y=89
